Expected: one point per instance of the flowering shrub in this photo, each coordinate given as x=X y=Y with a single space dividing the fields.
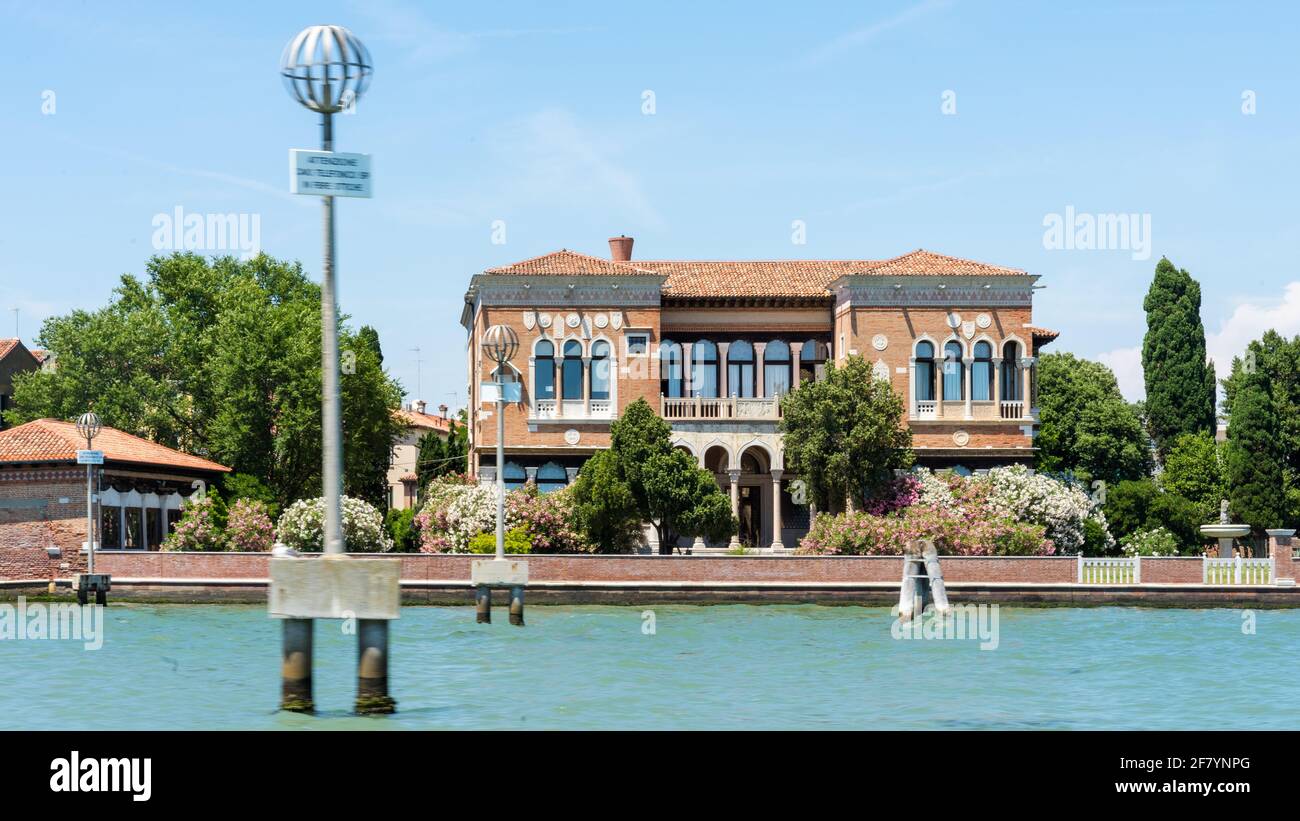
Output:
x=199 y=527
x=1060 y=507
x=455 y=510
x=302 y=526
x=248 y=526
x=964 y=532
x=1157 y=541
x=548 y=518
x=899 y=493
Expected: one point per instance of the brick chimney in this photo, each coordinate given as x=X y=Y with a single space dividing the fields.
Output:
x=419 y=406
x=620 y=248
x=442 y=411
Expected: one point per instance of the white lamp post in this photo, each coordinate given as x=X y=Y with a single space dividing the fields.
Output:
x=500 y=343
x=88 y=427
x=327 y=69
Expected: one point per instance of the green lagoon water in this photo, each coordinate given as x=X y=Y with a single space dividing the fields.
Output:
x=728 y=667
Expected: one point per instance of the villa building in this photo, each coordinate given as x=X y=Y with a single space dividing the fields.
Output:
x=403 y=481
x=714 y=345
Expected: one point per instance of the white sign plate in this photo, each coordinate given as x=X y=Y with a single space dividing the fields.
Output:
x=90 y=457
x=329 y=173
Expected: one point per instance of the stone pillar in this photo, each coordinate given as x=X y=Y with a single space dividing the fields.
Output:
x=777 y=544
x=686 y=369
x=966 y=363
x=1025 y=363
x=911 y=387
x=586 y=387
x=735 y=504
x=759 y=388
x=572 y=474
x=997 y=384
x=723 y=367
x=295 y=666
x=1280 y=548
x=796 y=364
x=530 y=476
x=372 y=668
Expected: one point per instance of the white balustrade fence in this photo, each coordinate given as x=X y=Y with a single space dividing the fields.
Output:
x=1096 y=570
x=1237 y=570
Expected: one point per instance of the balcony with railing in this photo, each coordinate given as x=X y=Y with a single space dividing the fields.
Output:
x=954 y=410
x=571 y=410
x=703 y=408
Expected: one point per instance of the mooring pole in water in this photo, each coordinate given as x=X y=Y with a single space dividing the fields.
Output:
x=517 y=606
x=372 y=668
x=295 y=666
x=483 y=604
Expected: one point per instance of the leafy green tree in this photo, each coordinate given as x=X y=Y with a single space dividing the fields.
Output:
x=219 y=358
x=844 y=434
x=1136 y=505
x=1086 y=427
x=440 y=455
x=1179 y=381
x=1253 y=457
x=604 y=507
x=1276 y=360
x=644 y=479
x=1192 y=470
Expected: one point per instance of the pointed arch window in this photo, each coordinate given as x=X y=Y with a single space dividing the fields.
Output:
x=551 y=477
x=572 y=370
x=544 y=370
x=924 y=371
x=981 y=373
x=515 y=476
x=600 y=369
x=954 y=371
x=1011 y=389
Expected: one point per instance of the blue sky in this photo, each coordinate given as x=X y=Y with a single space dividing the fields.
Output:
x=763 y=114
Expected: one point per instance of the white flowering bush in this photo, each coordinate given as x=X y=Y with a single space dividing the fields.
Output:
x=302 y=526
x=1157 y=541
x=1063 y=509
x=454 y=512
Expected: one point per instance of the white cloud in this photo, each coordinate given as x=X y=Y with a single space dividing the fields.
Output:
x=1248 y=321
x=1127 y=365
x=866 y=34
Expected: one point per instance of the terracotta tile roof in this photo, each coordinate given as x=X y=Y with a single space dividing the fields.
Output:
x=1043 y=335
x=52 y=440
x=570 y=263
x=7 y=345
x=415 y=419
x=40 y=353
x=927 y=263
x=753 y=278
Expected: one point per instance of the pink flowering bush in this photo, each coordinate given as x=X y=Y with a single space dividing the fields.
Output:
x=549 y=520
x=899 y=493
x=249 y=527
x=199 y=527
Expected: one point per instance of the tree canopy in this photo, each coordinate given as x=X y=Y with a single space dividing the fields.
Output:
x=1086 y=427
x=844 y=434
x=1180 y=387
x=219 y=358
x=1253 y=456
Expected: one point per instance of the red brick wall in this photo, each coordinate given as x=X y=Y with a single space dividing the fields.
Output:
x=1172 y=570
x=63 y=523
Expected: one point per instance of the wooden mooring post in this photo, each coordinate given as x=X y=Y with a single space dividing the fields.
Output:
x=922 y=581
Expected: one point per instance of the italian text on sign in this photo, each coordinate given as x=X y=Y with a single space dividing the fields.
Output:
x=328 y=173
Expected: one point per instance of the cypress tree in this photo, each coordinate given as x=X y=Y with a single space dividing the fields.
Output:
x=1253 y=457
x=1180 y=383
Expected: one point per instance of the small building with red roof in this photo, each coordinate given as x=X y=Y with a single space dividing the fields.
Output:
x=139 y=491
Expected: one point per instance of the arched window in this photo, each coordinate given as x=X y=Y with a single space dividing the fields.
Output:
x=776 y=368
x=514 y=477
x=704 y=369
x=572 y=387
x=670 y=369
x=981 y=373
x=953 y=371
x=812 y=359
x=551 y=476
x=544 y=370
x=924 y=371
x=740 y=369
x=1011 y=390
x=600 y=369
